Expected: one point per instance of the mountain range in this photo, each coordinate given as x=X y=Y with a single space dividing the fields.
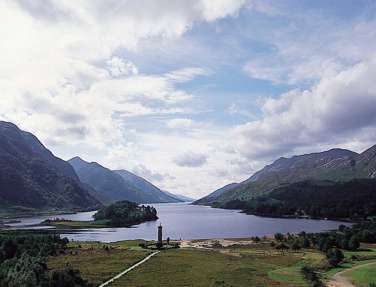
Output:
x=336 y=165
x=31 y=176
x=119 y=184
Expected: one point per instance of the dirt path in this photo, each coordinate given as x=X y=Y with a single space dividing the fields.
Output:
x=129 y=269
x=339 y=280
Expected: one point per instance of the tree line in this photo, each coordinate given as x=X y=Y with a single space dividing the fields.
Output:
x=354 y=199
x=125 y=213
x=23 y=261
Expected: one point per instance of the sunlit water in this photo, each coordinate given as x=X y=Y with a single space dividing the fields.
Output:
x=181 y=220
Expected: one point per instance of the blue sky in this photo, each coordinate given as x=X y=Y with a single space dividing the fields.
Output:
x=190 y=94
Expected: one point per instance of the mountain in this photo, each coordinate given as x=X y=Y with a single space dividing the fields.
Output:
x=355 y=199
x=217 y=193
x=180 y=197
x=114 y=186
x=31 y=176
x=109 y=185
x=154 y=194
x=338 y=165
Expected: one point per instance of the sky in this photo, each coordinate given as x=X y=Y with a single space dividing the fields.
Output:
x=190 y=94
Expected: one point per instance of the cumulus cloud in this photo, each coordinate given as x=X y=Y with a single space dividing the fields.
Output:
x=120 y=67
x=66 y=77
x=191 y=159
x=338 y=110
x=75 y=74
x=151 y=175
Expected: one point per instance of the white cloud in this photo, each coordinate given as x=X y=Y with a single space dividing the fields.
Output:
x=309 y=48
x=213 y=10
x=64 y=76
x=186 y=74
x=191 y=159
x=339 y=110
x=67 y=74
x=120 y=67
x=179 y=123
x=151 y=175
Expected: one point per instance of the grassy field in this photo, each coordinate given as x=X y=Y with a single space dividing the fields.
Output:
x=96 y=262
x=237 y=265
x=363 y=275
x=13 y=212
x=366 y=254
x=257 y=265
x=69 y=224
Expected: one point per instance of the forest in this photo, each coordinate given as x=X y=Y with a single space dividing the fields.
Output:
x=23 y=261
x=355 y=200
x=125 y=213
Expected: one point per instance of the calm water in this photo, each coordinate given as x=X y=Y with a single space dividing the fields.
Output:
x=192 y=222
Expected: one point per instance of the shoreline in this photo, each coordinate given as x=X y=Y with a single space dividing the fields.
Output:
x=346 y=220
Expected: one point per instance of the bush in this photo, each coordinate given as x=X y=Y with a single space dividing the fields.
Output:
x=279 y=237
x=67 y=278
x=311 y=275
x=335 y=256
x=23 y=262
x=354 y=243
x=282 y=246
x=296 y=245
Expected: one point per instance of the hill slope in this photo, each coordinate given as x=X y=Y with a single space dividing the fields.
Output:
x=323 y=199
x=113 y=186
x=31 y=176
x=154 y=194
x=337 y=165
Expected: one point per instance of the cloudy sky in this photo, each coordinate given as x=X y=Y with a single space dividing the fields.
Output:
x=190 y=94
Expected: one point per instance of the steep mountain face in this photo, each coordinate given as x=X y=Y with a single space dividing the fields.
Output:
x=31 y=176
x=109 y=185
x=336 y=164
x=153 y=193
x=114 y=186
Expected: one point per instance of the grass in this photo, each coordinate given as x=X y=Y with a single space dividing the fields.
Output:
x=364 y=275
x=95 y=263
x=13 y=212
x=236 y=265
x=69 y=224
x=366 y=254
x=293 y=274
x=221 y=267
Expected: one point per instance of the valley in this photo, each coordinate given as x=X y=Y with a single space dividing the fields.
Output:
x=290 y=224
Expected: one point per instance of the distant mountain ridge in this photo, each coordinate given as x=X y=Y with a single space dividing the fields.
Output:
x=31 y=176
x=118 y=185
x=180 y=197
x=154 y=194
x=338 y=165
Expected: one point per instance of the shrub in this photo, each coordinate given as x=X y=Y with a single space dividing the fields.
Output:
x=335 y=256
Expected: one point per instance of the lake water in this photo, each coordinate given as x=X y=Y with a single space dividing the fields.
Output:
x=181 y=220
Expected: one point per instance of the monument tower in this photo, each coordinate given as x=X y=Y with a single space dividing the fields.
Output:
x=160 y=238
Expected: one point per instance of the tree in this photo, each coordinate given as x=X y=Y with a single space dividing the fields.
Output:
x=296 y=245
x=306 y=243
x=67 y=278
x=354 y=243
x=335 y=256
x=9 y=248
x=279 y=237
